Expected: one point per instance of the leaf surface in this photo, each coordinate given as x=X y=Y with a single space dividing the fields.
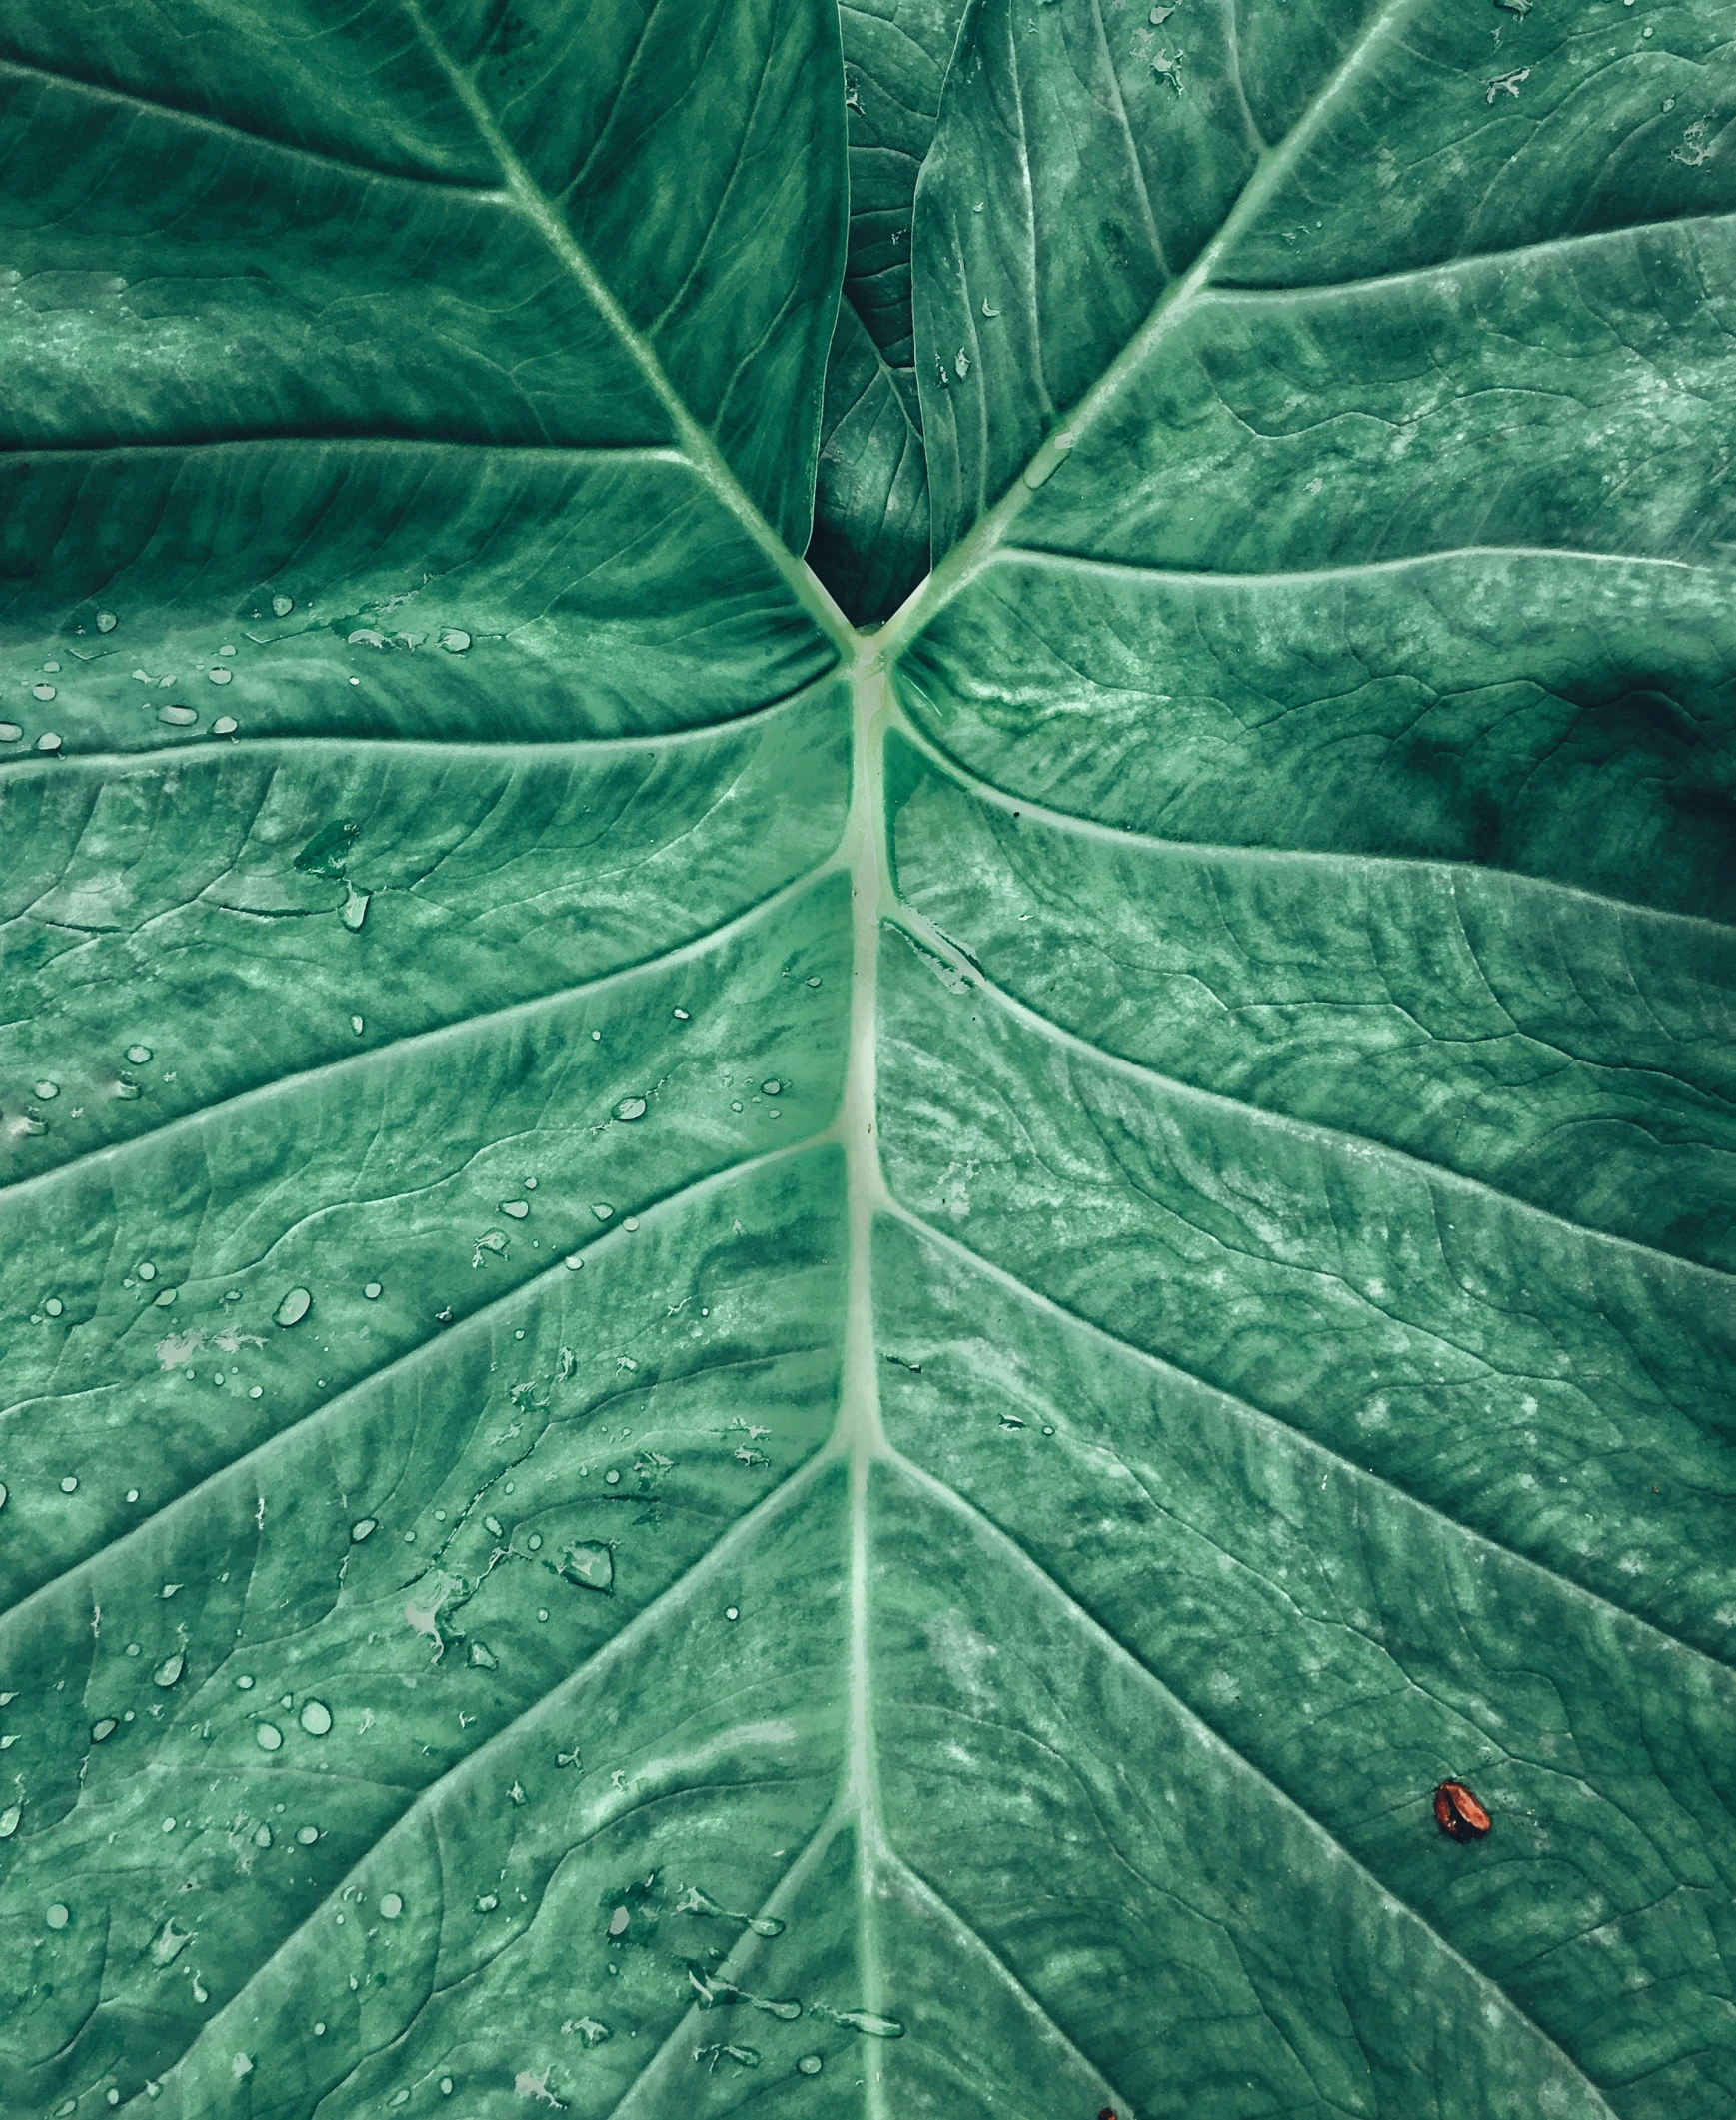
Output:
x=752 y=1367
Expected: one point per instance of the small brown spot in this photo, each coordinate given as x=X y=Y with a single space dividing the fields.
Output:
x=1458 y=1813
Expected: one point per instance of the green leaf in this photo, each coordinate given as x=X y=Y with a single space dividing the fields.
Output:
x=757 y=1367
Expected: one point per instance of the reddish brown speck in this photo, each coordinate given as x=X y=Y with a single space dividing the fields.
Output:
x=1458 y=1813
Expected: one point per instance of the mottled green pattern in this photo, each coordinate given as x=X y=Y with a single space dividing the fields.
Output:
x=759 y=1369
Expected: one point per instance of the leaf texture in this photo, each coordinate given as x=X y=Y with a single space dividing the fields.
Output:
x=757 y=1367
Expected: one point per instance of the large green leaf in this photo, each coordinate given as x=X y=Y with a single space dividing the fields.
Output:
x=752 y=1368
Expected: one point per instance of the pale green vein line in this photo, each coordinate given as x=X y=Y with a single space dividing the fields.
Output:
x=1287 y=1433
x=997 y=1539
x=1035 y=556
x=974 y=1942
x=202 y=747
x=427 y=1350
x=236 y=135
x=1313 y=1133
x=1123 y=837
x=696 y=444
x=644 y=1623
x=1521 y=255
x=1177 y=301
x=418 y=1043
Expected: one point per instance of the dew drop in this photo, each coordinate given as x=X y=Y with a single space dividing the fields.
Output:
x=618 y=1922
x=391 y=1906
x=482 y=1657
x=372 y=1292
x=493 y=1526
x=257 y=1391
x=9 y=1820
x=772 y=1088
x=100 y=1732
x=681 y=1016
x=445 y=2086
x=516 y=1208
x=630 y=1108
x=58 y=1917
x=354 y=910
x=282 y=606
x=138 y=1054
x=220 y=675
x=42 y=692
x=225 y=725
x=262 y=1839
x=10 y=732
x=732 y=1612
x=589 y=1564
x=178 y=717
x=168 y=1673
x=168 y=1944
x=572 y=1261
x=809 y=2065
x=267 y=1737
x=54 y=1307
x=487 y=1903
x=316 y=1718
x=611 y=1478
x=293 y=1309
x=48 y=1092
x=163 y=1302
x=454 y=639
x=867 y=2023
x=69 y=1485
x=602 y=1209
x=144 y=1270
x=305 y=1835
x=107 y=621
x=48 y=741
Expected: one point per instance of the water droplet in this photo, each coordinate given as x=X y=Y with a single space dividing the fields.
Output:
x=282 y=606
x=138 y=1054
x=42 y=692
x=681 y=1016
x=163 y=1300
x=257 y=1391
x=809 y=2065
x=618 y=1922
x=293 y=1309
x=168 y=1826
x=54 y=1307
x=493 y=1524
x=48 y=1092
x=445 y=2086
x=58 y=1917
x=168 y=1673
x=9 y=1820
x=220 y=675
x=812 y=982
x=262 y=1839
x=168 y=1944
x=372 y=1292
x=482 y=1657
x=487 y=1903
x=589 y=1564
x=305 y=1835
x=225 y=725
x=454 y=639
x=267 y=1737
x=10 y=732
x=611 y=1478
x=144 y=1270
x=69 y=1485
x=572 y=1261
x=732 y=1612
x=630 y=1108
x=48 y=741
x=516 y=1208
x=354 y=910
x=356 y=1025
x=178 y=717
x=391 y=1906
x=772 y=1088
x=602 y=1209
x=100 y=1732
x=534 y=1541
x=867 y=2023
x=962 y=364
x=316 y=1718
x=107 y=621
x=127 y=1089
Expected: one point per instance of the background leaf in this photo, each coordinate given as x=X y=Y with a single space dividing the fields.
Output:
x=752 y=1367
